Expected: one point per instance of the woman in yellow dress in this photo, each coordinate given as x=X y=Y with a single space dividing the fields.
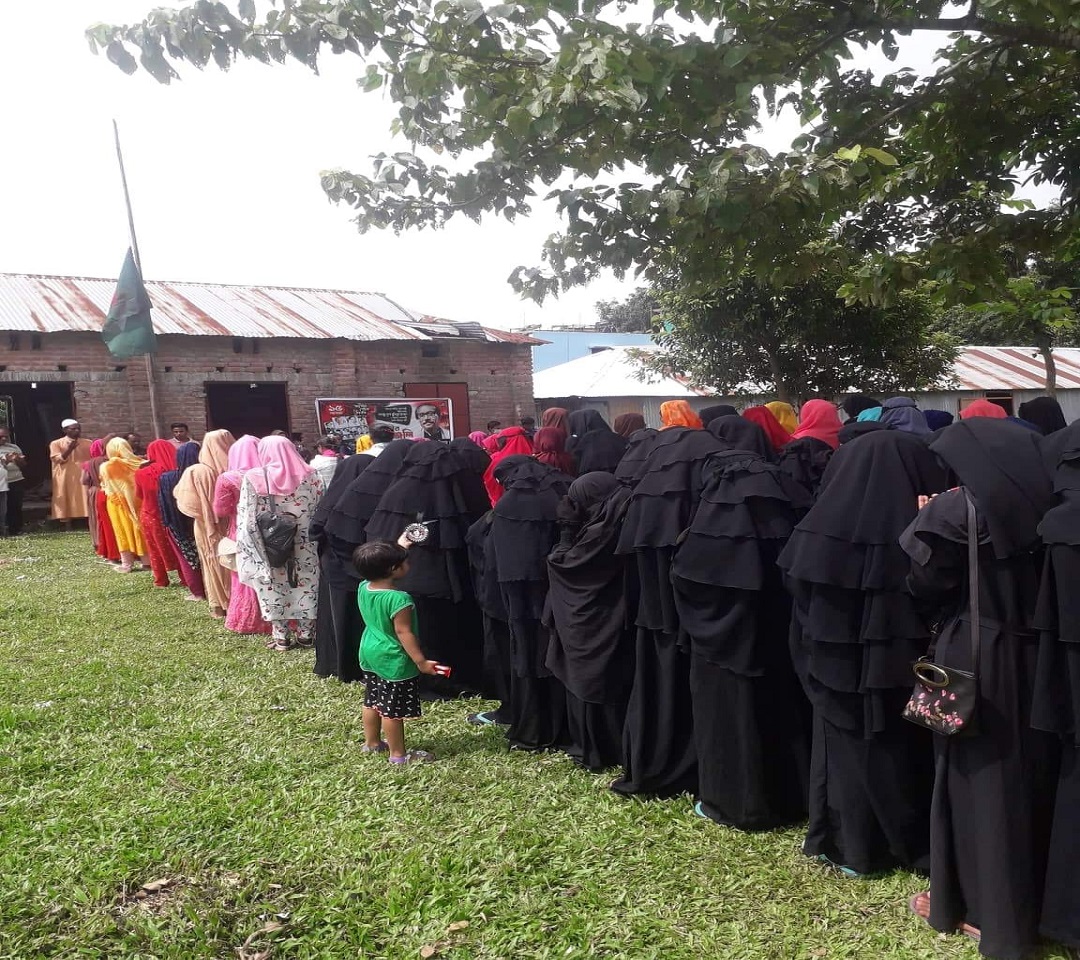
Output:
x=118 y=485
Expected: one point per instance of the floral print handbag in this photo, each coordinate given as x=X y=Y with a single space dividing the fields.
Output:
x=945 y=699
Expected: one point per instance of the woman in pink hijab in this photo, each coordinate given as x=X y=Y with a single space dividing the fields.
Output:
x=983 y=408
x=819 y=419
x=243 y=615
x=288 y=595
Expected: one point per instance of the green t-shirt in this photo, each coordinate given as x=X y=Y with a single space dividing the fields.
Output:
x=381 y=653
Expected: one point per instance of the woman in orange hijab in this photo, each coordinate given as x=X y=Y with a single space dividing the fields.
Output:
x=118 y=485
x=678 y=413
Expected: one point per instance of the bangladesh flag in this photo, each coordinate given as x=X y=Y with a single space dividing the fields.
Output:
x=128 y=331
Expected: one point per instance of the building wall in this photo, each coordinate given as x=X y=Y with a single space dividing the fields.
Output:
x=113 y=395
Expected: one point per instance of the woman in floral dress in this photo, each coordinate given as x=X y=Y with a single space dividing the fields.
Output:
x=243 y=615
x=288 y=596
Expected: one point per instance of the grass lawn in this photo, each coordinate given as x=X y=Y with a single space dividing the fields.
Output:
x=141 y=742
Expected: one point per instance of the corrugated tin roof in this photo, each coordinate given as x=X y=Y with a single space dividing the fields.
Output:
x=1014 y=368
x=51 y=304
x=608 y=373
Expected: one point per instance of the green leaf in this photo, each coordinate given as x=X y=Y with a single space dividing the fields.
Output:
x=736 y=54
x=518 y=119
x=247 y=10
x=885 y=159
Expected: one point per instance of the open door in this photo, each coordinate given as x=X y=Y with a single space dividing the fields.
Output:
x=255 y=408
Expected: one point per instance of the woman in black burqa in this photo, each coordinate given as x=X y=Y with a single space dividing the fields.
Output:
x=855 y=633
x=523 y=533
x=339 y=626
x=593 y=444
x=639 y=445
x=751 y=721
x=350 y=514
x=994 y=785
x=1057 y=683
x=590 y=595
x=1044 y=413
x=437 y=484
x=658 y=740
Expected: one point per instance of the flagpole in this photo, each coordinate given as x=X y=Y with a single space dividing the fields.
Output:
x=148 y=358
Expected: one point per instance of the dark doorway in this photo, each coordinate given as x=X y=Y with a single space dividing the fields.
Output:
x=35 y=413
x=456 y=393
x=255 y=408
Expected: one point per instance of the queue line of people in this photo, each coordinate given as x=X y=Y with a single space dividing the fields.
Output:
x=727 y=607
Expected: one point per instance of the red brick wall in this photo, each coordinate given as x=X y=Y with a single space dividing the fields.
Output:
x=113 y=395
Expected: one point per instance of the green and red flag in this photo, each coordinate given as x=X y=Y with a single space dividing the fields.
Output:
x=128 y=331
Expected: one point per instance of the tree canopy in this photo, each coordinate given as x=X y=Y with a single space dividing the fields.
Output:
x=633 y=121
x=798 y=341
x=633 y=314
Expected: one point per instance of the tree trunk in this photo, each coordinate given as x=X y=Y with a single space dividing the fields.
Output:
x=780 y=383
x=1047 y=353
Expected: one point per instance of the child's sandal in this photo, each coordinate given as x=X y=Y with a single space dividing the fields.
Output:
x=413 y=756
x=383 y=747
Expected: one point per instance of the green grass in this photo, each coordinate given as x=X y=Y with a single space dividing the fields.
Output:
x=140 y=741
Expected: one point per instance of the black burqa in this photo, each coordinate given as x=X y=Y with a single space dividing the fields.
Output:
x=350 y=514
x=632 y=465
x=805 y=460
x=436 y=484
x=709 y=414
x=738 y=433
x=856 y=403
x=658 y=741
x=751 y=721
x=338 y=625
x=994 y=786
x=593 y=444
x=1044 y=413
x=474 y=455
x=589 y=598
x=523 y=533
x=496 y=625
x=855 y=633
x=1057 y=683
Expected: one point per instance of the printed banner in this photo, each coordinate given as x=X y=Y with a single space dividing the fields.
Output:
x=411 y=419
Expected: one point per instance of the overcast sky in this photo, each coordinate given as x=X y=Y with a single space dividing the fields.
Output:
x=224 y=173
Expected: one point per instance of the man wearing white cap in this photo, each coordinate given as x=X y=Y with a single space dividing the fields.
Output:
x=68 y=454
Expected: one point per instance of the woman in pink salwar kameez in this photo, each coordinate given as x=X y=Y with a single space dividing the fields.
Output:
x=243 y=615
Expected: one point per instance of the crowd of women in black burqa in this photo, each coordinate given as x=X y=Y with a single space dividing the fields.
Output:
x=731 y=609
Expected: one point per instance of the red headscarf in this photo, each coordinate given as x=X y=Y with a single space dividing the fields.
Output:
x=515 y=442
x=550 y=445
x=162 y=457
x=983 y=408
x=765 y=419
x=554 y=417
x=678 y=413
x=819 y=419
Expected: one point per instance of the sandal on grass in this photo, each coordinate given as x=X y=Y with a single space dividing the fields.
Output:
x=920 y=906
x=413 y=756
x=841 y=869
x=481 y=720
x=383 y=747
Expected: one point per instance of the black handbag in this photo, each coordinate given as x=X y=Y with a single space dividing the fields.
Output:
x=278 y=533
x=945 y=699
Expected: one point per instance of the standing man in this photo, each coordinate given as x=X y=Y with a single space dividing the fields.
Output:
x=428 y=415
x=136 y=444
x=180 y=434
x=11 y=462
x=67 y=455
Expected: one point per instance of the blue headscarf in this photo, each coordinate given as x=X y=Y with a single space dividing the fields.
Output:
x=183 y=527
x=937 y=419
x=900 y=413
x=870 y=415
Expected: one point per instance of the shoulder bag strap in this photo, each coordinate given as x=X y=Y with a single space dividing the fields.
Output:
x=273 y=502
x=973 y=580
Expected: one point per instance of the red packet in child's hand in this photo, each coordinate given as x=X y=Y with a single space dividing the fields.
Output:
x=442 y=670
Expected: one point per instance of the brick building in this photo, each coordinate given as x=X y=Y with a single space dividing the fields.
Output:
x=248 y=359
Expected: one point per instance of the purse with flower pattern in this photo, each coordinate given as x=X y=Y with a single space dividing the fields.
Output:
x=945 y=699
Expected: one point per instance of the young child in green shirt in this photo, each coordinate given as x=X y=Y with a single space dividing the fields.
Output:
x=390 y=654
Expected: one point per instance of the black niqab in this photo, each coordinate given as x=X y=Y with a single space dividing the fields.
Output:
x=348 y=470
x=856 y=403
x=354 y=508
x=1044 y=413
x=709 y=414
x=632 y=465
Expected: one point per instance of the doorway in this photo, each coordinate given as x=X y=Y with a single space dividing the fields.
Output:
x=456 y=393
x=35 y=411
x=255 y=408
